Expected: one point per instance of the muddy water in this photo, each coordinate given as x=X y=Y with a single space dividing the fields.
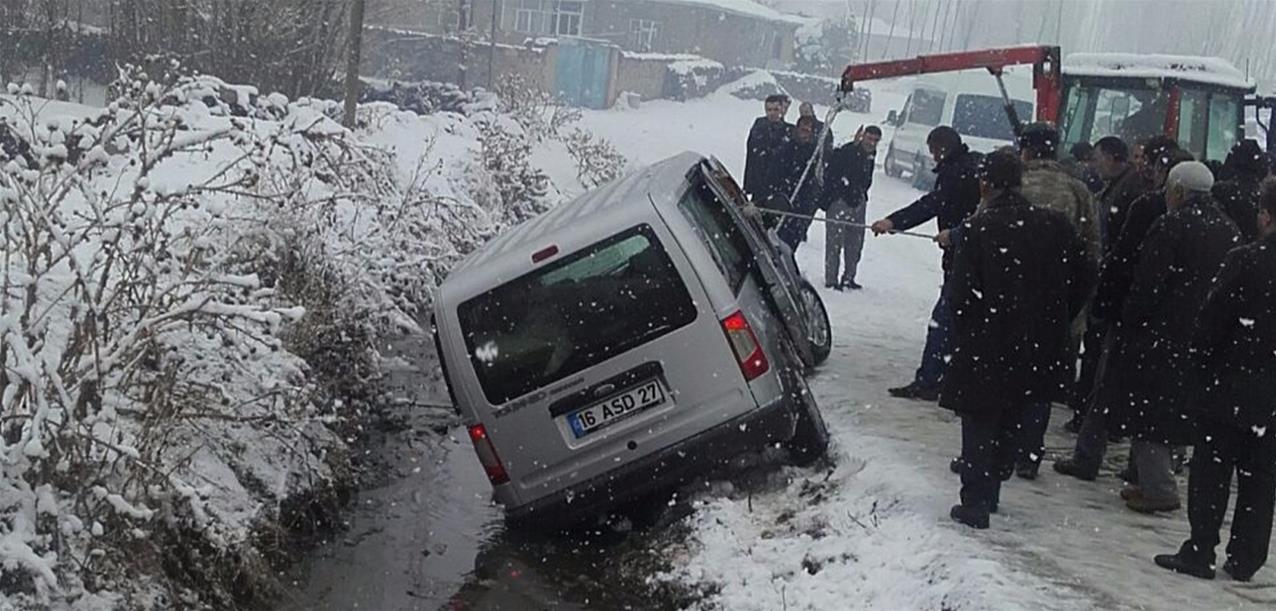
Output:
x=428 y=536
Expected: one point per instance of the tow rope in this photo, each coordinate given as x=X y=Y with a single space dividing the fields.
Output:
x=820 y=219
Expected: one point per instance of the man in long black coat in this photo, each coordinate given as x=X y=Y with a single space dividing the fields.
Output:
x=954 y=198
x=1109 y=299
x=1235 y=346
x=1149 y=384
x=1021 y=275
x=767 y=164
x=1237 y=195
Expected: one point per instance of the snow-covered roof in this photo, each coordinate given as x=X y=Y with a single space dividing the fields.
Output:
x=1208 y=70
x=747 y=8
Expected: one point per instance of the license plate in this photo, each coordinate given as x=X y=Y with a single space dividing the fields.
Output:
x=600 y=415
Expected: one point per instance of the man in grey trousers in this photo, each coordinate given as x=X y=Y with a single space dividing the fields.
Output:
x=847 y=180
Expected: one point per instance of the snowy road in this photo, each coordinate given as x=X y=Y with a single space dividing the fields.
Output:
x=871 y=533
x=875 y=534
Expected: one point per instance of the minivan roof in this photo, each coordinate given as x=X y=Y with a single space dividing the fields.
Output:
x=572 y=225
x=979 y=82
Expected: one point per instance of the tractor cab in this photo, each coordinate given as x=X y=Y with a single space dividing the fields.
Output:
x=1196 y=100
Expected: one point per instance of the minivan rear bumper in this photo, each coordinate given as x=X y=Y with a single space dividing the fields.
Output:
x=690 y=458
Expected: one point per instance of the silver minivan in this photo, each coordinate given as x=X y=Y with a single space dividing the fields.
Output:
x=627 y=341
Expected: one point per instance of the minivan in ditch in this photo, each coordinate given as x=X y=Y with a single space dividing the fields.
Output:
x=627 y=341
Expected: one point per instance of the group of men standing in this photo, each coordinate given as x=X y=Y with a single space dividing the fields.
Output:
x=784 y=174
x=1162 y=284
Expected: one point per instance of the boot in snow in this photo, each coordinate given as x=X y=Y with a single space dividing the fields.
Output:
x=1181 y=564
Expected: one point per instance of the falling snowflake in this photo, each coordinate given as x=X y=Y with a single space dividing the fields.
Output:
x=1247 y=322
x=487 y=353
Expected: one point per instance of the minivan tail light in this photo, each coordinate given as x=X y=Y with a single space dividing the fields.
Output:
x=748 y=351
x=487 y=455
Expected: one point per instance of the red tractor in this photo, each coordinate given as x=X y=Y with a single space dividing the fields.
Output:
x=1198 y=101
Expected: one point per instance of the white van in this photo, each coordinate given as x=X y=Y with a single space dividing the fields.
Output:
x=628 y=340
x=970 y=101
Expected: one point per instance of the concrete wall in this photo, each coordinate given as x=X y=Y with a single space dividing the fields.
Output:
x=732 y=39
x=411 y=56
x=645 y=77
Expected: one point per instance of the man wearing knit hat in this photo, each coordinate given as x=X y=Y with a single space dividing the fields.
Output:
x=1235 y=352
x=1149 y=387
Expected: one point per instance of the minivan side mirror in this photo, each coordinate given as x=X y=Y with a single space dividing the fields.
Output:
x=892 y=118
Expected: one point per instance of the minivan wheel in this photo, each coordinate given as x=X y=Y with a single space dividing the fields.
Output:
x=819 y=330
x=810 y=441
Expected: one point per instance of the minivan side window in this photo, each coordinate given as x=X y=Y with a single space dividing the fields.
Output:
x=572 y=314
x=719 y=232
x=928 y=107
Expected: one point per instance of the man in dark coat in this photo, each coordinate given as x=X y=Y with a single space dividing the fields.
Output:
x=954 y=198
x=1148 y=384
x=1020 y=277
x=1080 y=164
x=1114 y=284
x=809 y=173
x=846 y=186
x=1124 y=184
x=1237 y=195
x=766 y=164
x=1235 y=346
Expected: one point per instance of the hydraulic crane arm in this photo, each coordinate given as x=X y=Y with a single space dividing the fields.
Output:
x=1044 y=59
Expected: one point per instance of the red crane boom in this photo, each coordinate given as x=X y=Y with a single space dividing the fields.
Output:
x=1047 y=80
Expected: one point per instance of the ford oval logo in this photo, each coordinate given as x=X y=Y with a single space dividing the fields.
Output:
x=604 y=389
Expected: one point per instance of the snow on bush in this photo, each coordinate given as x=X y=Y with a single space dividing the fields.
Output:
x=190 y=297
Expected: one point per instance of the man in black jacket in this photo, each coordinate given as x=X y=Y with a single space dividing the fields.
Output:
x=1235 y=350
x=766 y=164
x=1237 y=195
x=846 y=185
x=1124 y=184
x=809 y=173
x=1021 y=275
x=1148 y=384
x=954 y=198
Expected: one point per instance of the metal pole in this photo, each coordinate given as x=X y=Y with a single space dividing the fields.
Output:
x=491 y=53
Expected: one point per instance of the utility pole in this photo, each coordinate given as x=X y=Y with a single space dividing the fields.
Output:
x=352 y=62
x=491 y=52
x=463 y=39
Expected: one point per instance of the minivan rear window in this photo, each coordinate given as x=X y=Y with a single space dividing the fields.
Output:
x=607 y=299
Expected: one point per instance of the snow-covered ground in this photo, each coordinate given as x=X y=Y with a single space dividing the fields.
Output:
x=874 y=533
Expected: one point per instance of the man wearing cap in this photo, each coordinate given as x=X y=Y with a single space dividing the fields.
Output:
x=1020 y=276
x=1149 y=386
x=1235 y=352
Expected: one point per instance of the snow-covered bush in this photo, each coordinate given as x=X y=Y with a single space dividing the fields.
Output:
x=427 y=97
x=825 y=46
x=190 y=307
x=540 y=114
x=597 y=160
x=510 y=186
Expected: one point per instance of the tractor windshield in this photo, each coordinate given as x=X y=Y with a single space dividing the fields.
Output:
x=1093 y=112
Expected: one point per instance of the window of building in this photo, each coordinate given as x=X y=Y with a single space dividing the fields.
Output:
x=568 y=16
x=643 y=34
x=545 y=17
x=527 y=17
